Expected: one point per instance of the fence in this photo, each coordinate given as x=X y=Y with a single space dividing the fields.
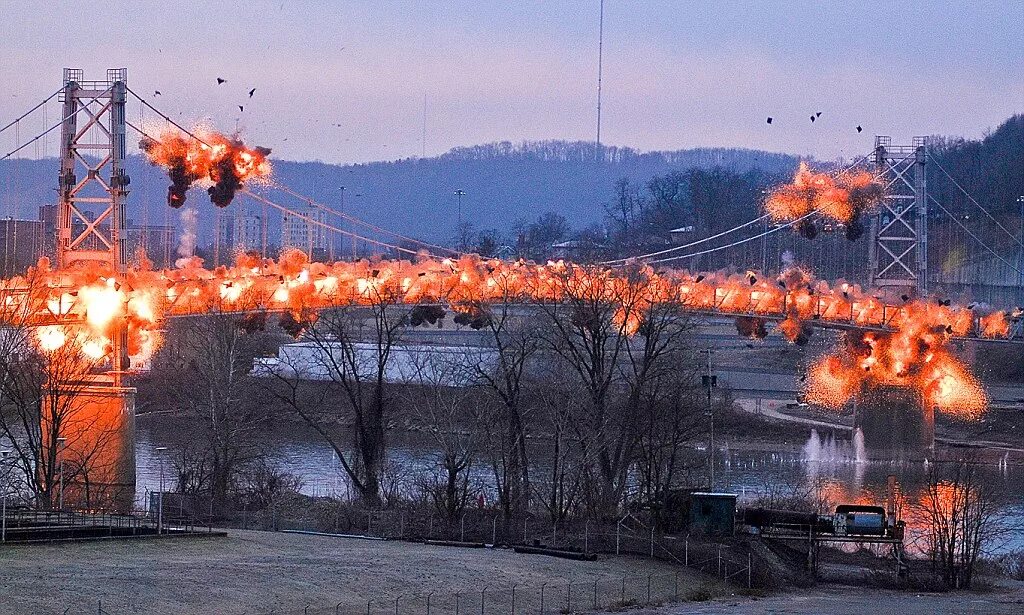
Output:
x=601 y=594
x=32 y=525
x=630 y=535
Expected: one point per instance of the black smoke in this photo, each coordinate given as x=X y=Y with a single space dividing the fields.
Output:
x=807 y=229
x=752 y=327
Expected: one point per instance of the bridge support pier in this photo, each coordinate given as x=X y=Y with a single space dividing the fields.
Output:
x=895 y=424
x=96 y=445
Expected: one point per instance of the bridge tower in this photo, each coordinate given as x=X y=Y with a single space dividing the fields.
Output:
x=92 y=188
x=895 y=422
x=898 y=247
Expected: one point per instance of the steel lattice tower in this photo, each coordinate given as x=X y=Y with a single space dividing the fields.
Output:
x=92 y=184
x=898 y=248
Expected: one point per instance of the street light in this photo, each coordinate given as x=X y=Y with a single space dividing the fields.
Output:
x=61 y=444
x=160 y=501
x=458 y=229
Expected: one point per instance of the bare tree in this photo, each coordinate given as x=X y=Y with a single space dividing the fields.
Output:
x=440 y=404
x=56 y=437
x=585 y=333
x=556 y=396
x=205 y=369
x=512 y=335
x=963 y=520
x=347 y=355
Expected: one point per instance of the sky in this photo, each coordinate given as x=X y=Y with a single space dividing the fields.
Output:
x=348 y=81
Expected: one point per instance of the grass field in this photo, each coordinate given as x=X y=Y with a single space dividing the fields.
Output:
x=264 y=572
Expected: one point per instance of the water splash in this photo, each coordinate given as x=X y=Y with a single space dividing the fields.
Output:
x=832 y=450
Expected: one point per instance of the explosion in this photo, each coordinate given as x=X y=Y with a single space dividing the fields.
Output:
x=907 y=346
x=911 y=357
x=225 y=162
x=844 y=198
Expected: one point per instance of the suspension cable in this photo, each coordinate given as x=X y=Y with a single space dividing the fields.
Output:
x=163 y=115
x=736 y=243
x=302 y=197
x=689 y=245
x=355 y=220
x=971 y=199
x=856 y=161
x=975 y=237
x=55 y=126
x=325 y=225
x=26 y=114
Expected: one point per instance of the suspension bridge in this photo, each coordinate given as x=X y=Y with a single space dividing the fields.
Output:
x=95 y=291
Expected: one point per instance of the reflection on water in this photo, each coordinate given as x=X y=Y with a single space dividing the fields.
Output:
x=834 y=468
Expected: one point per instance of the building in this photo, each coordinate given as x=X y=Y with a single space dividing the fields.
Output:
x=247 y=232
x=682 y=234
x=409 y=363
x=21 y=245
x=578 y=250
x=302 y=232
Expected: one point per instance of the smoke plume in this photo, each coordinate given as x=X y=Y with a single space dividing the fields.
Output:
x=189 y=230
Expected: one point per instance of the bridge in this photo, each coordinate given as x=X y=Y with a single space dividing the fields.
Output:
x=88 y=297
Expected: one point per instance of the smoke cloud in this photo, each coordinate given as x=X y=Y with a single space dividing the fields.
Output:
x=844 y=198
x=225 y=162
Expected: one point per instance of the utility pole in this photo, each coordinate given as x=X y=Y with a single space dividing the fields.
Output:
x=341 y=210
x=600 y=61
x=711 y=381
x=160 y=510
x=61 y=443
x=1020 y=233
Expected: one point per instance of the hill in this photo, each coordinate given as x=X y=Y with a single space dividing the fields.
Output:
x=505 y=185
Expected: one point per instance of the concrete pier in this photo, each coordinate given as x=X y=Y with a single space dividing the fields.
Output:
x=96 y=421
x=895 y=423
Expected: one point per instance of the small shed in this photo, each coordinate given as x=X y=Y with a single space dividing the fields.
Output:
x=713 y=514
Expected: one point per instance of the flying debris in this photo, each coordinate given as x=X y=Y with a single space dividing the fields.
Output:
x=251 y=92
x=769 y=120
x=752 y=327
x=221 y=81
x=859 y=129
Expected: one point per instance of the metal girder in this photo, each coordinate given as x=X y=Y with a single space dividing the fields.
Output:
x=898 y=248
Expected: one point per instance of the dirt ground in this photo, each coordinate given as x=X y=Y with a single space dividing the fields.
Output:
x=843 y=600
x=263 y=572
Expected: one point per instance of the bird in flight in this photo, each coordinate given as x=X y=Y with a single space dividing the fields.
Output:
x=221 y=81
x=251 y=92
